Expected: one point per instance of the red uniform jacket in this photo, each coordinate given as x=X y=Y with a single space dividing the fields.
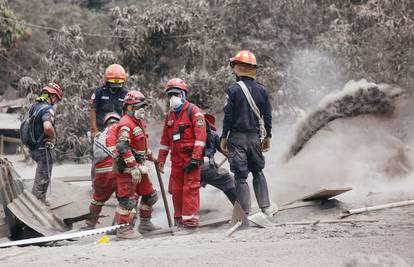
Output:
x=132 y=131
x=182 y=135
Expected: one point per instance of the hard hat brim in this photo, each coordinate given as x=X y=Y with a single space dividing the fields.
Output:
x=174 y=90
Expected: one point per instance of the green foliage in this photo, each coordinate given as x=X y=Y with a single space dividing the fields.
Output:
x=11 y=29
x=304 y=49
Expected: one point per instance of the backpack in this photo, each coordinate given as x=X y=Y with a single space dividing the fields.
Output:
x=100 y=150
x=27 y=134
x=208 y=128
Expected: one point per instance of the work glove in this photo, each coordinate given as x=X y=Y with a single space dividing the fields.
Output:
x=49 y=144
x=136 y=175
x=223 y=146
x=266 y=144
x=194 y=163
x=161 y=167
x=212 y=162
x=143 y=169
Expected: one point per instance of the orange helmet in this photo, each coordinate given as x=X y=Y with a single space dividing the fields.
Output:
x=134 y=98
x=176 y=85
x=53 y=88
x=115 y=74
x=244 y=57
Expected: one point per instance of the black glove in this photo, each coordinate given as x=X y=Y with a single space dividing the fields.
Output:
x=194 y=163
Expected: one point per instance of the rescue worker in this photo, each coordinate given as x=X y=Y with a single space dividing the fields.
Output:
x=107 y=98
x=184 y=133
x=241 y=132
x=43 y=152
x=104 y=183
x=210 y=173
x=132 y=177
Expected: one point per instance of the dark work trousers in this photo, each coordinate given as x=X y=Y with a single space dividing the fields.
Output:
x=93 y=163
x=42 y=177
x=245 y=156
x=220 y=178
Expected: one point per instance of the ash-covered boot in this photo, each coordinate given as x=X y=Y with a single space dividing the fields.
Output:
x=146 y=225
x=128 y=232
x=124 y=216
x=145 y=213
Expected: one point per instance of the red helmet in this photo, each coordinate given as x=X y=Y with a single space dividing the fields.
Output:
x=211 y=120
x=111 y=116
x=176 y=85
x=115 y=73
x=244 y=57
x=53 y=88
x=134 y=98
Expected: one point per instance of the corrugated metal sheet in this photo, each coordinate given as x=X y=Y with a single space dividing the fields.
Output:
x=10 y=187
x=36 y=214
x=10 y=184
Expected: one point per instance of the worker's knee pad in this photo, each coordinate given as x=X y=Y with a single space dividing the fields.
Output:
x=127 y=202
x=151 y=199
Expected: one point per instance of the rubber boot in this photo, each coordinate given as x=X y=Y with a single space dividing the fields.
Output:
x=145 y=225
x=243 y=194
x=260 y=190
x=187 y=227
x=127 y=232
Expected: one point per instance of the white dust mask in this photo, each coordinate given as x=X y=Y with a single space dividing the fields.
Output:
x=139 y=113
x=175 y=102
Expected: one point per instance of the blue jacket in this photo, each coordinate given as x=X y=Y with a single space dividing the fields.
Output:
x=103 y=101
x=238 y=116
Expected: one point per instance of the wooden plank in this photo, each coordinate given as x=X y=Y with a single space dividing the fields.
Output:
x=70 y=179
x=11 y=139
x=322 y=194
x=1 y=144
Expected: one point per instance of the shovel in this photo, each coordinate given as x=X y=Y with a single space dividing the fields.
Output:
x=238 y=220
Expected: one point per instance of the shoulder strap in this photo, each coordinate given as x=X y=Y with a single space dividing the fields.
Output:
x=190 y=112
x=249 y=98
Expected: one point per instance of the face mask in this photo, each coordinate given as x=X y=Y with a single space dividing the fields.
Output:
x=175 y=102
x=139 y=114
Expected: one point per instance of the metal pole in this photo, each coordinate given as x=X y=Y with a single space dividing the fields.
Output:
x=164 y=196
x=1 y=144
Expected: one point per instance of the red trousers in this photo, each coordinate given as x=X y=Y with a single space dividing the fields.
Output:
x=105 y=184
x=185 y=190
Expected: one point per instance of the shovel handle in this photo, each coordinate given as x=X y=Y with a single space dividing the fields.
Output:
x=164 y=196
x=233 y=229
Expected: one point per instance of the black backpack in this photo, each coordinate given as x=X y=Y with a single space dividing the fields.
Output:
x=27 y=134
